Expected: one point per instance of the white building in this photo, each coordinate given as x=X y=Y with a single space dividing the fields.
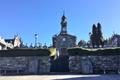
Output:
x=10 y=43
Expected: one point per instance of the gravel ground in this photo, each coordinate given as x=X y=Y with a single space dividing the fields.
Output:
x=62 y=77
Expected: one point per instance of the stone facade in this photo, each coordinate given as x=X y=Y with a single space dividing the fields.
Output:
x=63 y=42
x=24 y=65
x=35 y=64
x=87 y=64
x=37 y=61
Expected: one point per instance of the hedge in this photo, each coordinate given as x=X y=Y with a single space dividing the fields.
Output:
x=24 y=52
x=99 y=51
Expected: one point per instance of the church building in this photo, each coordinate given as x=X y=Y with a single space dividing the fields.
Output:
x=63 y=40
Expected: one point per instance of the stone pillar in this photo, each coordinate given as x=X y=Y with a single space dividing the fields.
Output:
x=104 y=71
x=43 y=64
x=17 y=71
x=75 y=64
x=40 y=64
x=86 y=65
x=118 y=71
x=33 y=65
x=119 y=65
x=5 y=72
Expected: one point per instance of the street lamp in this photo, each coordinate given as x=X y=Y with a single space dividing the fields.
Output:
x=36 y=36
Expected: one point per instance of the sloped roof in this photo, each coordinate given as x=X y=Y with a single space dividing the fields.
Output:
x=10 y=40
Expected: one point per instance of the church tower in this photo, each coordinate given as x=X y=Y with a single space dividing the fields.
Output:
x=63 y=40
x=63 y=25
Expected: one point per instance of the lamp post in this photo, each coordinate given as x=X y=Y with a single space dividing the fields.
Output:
x=36 y=35
x=90 y=44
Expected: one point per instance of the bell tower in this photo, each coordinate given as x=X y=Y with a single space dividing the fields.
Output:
x=63 y=25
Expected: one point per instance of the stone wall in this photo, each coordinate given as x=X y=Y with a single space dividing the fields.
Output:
x=94 y=64
x=24 y=65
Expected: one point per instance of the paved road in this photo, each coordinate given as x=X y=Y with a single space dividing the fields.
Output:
x=62 y=77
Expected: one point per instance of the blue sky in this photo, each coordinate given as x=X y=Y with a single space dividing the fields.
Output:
x=27 y=17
